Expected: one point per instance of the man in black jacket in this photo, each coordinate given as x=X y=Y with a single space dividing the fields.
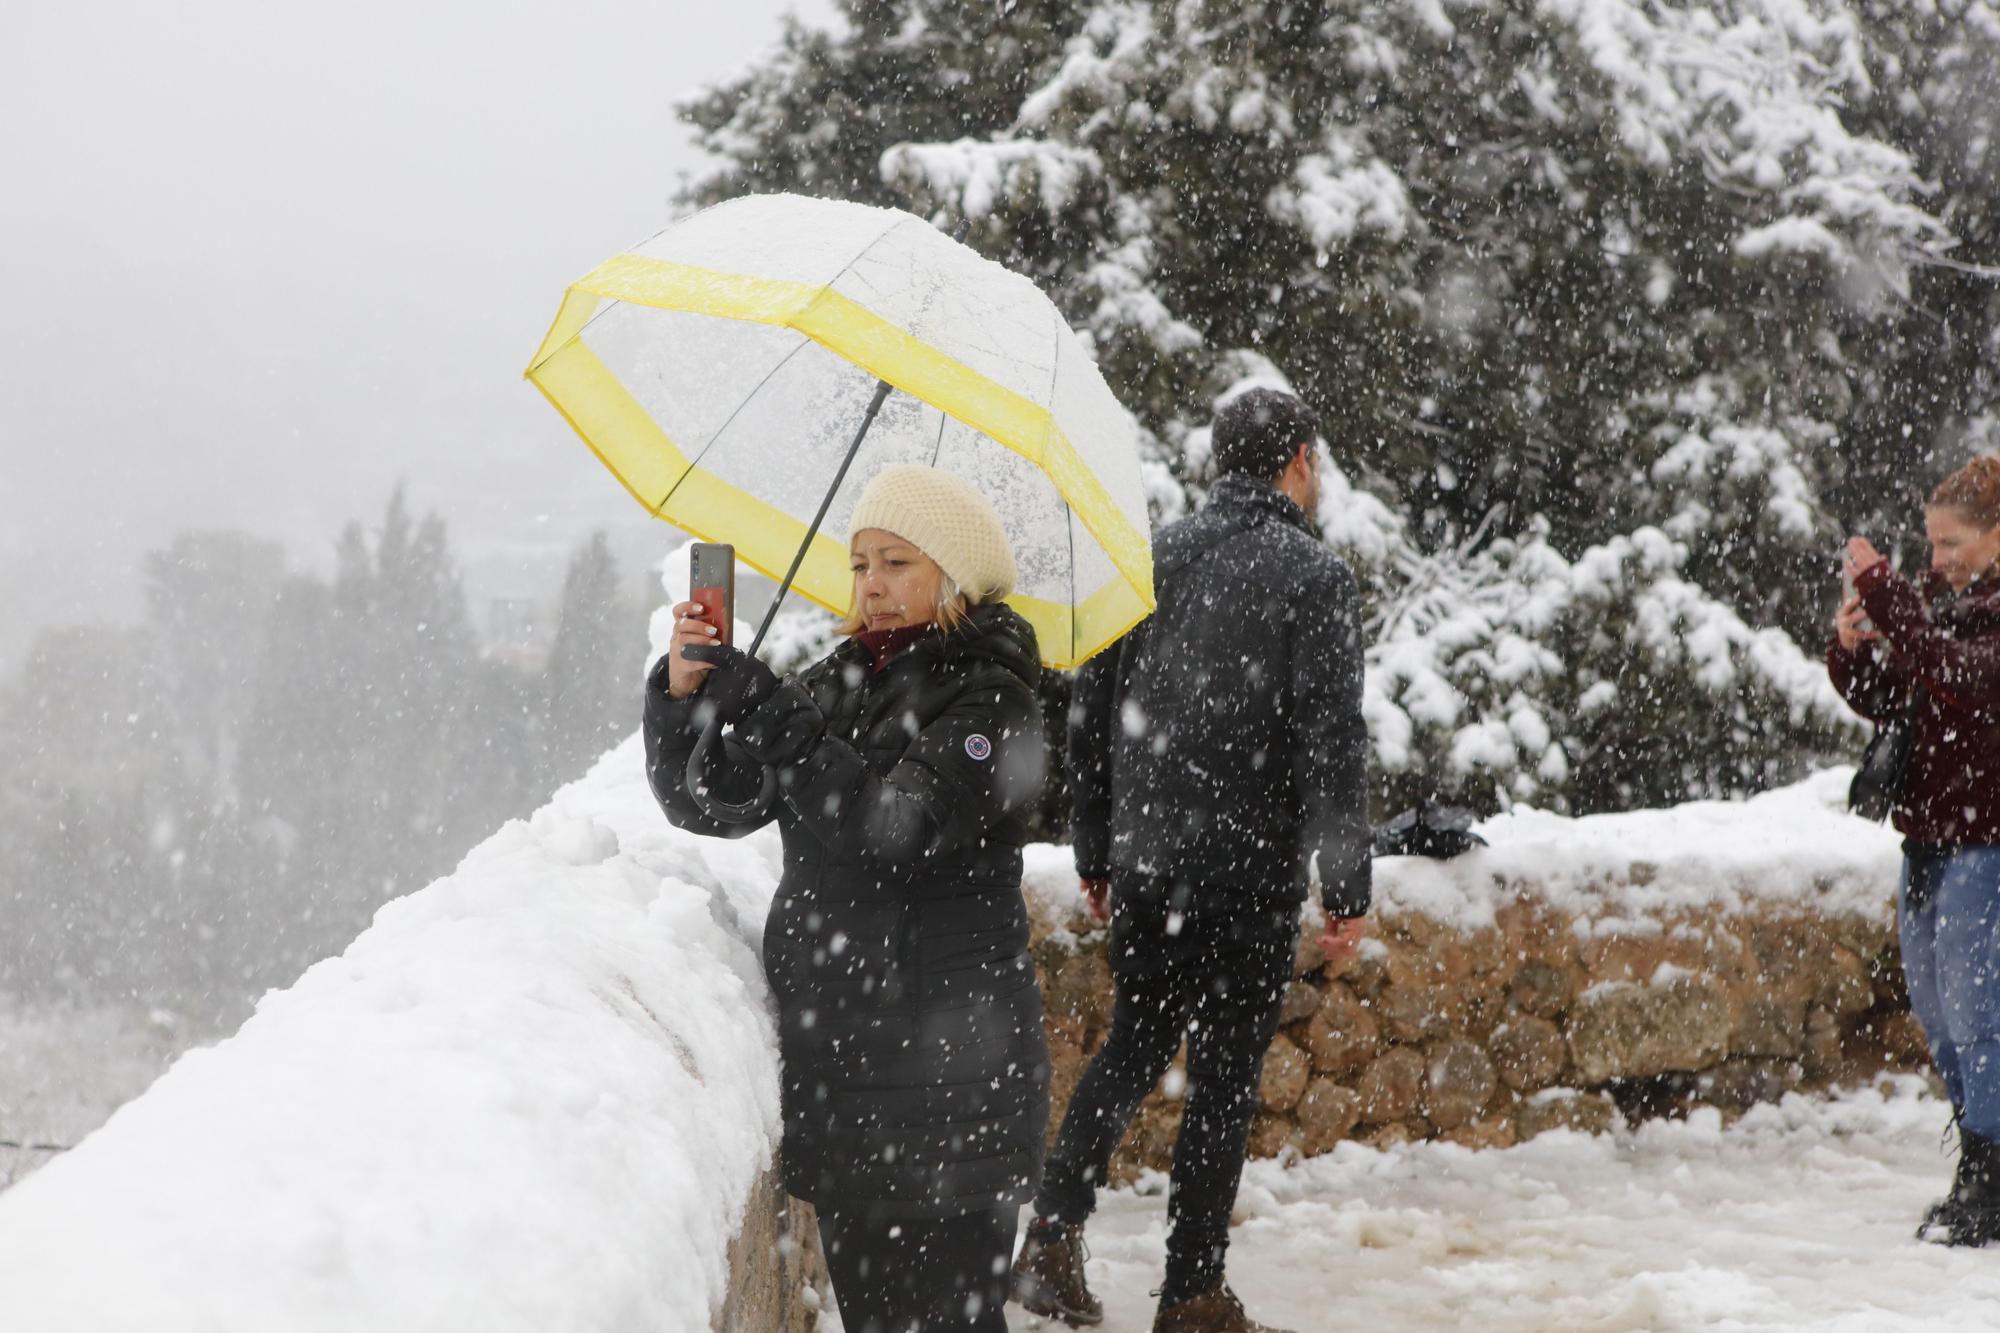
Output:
x=1218 y=764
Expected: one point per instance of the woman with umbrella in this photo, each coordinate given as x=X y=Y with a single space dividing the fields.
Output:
x=915 y=1084
x=729 y=370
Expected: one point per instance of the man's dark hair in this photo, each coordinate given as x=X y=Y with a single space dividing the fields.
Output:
x=1259 y=431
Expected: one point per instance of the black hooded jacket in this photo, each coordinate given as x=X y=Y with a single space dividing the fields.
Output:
x=915 y=1076
x=1221 y=743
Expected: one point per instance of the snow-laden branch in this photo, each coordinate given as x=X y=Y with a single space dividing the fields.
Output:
x=1755 y=90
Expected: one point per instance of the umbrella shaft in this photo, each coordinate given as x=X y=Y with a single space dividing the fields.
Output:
x=882 y=389
x=750 y=811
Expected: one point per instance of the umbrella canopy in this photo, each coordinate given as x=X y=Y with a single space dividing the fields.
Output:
x=720 y=371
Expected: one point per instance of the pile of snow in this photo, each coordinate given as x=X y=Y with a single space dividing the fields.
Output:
x=1796 y=847
x=534 y=1095
x=1800 y=1215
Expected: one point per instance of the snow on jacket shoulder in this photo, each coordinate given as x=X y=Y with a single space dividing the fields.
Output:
x=1222 y=741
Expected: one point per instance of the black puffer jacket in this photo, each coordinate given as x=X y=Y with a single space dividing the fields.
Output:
x=1221 y=743
x=915 y=1068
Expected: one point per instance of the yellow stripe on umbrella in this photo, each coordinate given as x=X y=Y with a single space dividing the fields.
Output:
x=719 y=371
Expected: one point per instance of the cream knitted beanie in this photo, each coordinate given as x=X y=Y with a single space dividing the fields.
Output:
x=947 y=520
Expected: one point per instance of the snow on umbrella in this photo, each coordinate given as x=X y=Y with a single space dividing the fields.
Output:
x=729 y=368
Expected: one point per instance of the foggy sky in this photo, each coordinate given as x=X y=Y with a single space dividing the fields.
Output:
x=265 y=258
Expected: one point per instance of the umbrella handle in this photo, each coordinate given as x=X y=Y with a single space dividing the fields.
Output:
x=726 y=812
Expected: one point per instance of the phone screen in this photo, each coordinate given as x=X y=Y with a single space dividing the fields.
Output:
x=712 y=582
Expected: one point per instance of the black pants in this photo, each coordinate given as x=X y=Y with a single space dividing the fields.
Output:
x=944 y=1275
x=1211 y=964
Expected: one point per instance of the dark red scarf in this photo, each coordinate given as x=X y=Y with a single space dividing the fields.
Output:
x=884 y=645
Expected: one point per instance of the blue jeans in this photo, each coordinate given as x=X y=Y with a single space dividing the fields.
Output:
x=1949 y=918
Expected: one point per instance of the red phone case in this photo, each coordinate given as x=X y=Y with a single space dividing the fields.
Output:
x=712 y=582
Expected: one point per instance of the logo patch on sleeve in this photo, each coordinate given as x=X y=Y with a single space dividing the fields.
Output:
x=978 y=747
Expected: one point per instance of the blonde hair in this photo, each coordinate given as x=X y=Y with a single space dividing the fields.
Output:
x=1972 y=492
x=953 y=608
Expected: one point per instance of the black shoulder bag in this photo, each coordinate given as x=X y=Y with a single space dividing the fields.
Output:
x=1437 y=831
x=1878 y=781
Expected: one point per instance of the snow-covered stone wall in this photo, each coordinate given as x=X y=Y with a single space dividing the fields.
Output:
x=540 y=1094
x=1718 y=953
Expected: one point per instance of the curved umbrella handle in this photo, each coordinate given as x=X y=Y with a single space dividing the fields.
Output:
x=725 y=812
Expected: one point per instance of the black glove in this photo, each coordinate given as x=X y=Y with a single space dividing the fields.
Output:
x=783 y=729
x=737 y=685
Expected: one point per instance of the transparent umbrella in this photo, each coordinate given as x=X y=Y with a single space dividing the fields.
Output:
x=747 y=370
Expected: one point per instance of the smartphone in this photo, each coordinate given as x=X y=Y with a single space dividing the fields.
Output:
x=1847 y=593
x=712 y=582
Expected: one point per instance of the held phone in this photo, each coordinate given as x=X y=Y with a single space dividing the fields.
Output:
x=1847 y=593
x=712 y=582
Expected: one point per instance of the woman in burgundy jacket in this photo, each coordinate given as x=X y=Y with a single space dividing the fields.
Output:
x=1933 y=652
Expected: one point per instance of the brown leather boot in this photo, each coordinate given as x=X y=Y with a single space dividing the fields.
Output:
x=1048 y=1277
x=1214 y=1311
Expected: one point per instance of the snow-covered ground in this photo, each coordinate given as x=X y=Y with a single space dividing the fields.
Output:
x=1797 y=1216
x=1795 y=847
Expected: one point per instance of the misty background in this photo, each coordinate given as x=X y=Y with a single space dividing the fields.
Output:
x=305 y=588
x=266 y=261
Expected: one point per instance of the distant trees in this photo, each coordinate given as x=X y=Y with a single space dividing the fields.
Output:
x=587 y=691
x=92 y=783
x=208 y=602
x=197 y=807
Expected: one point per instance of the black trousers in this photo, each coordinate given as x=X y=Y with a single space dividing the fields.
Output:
x=944 y=1275
x=1210 y=964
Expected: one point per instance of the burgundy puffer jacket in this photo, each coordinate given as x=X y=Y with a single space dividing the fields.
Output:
x=1948 y=643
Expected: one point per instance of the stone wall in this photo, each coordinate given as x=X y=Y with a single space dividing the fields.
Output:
x=1534 y=1020
x=777 y=1275
x=1577 y=973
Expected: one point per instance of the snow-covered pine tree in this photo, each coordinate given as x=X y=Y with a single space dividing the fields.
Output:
x=1586 y=292
x=1928 y=395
